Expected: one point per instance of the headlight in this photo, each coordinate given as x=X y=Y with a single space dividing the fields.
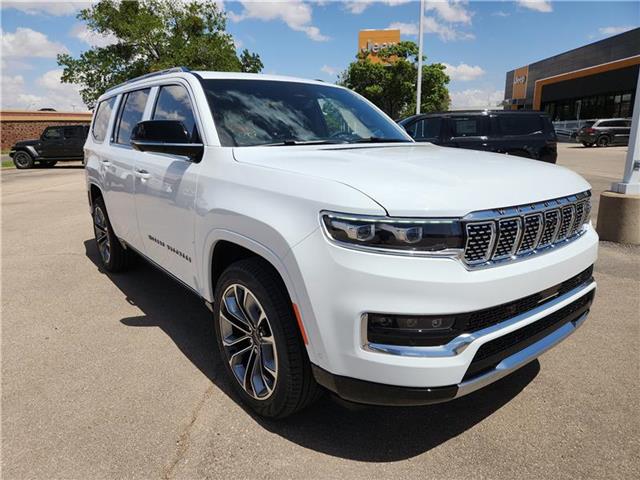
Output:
x=404 y=235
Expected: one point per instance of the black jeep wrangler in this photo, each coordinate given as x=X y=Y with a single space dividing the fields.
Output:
x=64 y=142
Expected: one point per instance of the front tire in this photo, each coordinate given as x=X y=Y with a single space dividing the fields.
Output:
x=259 y=341
x=587 y=144
x=22 y=160
x=114 y=256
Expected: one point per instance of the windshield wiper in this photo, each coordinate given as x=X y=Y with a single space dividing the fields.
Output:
x=380 y=140
x=300 y=142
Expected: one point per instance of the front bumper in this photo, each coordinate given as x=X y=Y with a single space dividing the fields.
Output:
x=502 y=364
x=334 y=287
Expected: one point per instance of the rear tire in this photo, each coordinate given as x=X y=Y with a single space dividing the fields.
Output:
x=603 y=141
x=22 y=160
x=115 y=258
x=259 y=341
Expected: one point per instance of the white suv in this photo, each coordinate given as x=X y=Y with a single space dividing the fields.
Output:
x=332 y=249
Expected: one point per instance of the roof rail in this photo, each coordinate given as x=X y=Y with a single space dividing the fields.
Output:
x=149 y=75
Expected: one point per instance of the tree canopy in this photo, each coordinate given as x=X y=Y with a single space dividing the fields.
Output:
x=151 y=35
x=391 y=83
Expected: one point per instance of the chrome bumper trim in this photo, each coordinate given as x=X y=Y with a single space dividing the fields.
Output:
x=517 y=360
x=461 y=342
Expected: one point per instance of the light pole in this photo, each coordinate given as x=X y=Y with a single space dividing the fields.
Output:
x=420 y=32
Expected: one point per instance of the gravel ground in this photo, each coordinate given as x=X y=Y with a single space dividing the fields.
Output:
x=116 y=376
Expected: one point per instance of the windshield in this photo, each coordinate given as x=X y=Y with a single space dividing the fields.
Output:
x=265 y=112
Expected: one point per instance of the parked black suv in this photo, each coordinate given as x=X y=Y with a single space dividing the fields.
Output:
x=521 y=133
x=605 y=132
x=63 y=142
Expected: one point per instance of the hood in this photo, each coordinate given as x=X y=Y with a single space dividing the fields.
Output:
x=424 y=179
x=27 y=143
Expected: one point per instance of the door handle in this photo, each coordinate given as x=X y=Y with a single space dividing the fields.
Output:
x=106 y=163
x=142 y=173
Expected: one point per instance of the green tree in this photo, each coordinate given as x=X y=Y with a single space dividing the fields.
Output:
x=391 y=84
x=152 y=35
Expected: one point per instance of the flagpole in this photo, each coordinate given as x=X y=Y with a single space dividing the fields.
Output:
x=421 y=31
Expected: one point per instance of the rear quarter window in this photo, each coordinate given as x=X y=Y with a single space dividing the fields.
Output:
x=101 y=119
x=520 y=124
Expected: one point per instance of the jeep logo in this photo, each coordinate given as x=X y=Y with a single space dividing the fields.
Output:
x=519 y=80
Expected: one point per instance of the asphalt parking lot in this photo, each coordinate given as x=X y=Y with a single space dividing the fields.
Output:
x=117 y=376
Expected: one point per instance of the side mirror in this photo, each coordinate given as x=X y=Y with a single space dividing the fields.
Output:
x=165 y=136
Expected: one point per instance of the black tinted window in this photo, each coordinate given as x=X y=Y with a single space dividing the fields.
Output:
x=101 y=119
x=173 y=104
x=520 y=124
x=466 y=126
x=53 y=133
x=427 y=129
x=130 y=114
x=74 y=132
x=605 y=124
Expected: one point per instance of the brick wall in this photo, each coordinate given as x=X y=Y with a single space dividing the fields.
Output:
x=16 y=125
x=14 y=131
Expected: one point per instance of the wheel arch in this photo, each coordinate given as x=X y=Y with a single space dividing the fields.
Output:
x=94 y=193
x=226 y=247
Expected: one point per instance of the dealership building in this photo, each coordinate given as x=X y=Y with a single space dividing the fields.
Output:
x=594 y=81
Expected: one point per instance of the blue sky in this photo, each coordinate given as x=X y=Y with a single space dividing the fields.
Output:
x=479 y=41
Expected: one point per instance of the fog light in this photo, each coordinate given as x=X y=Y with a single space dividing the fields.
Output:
x=412 y=330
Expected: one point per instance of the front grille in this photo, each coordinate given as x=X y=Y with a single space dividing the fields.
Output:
x=532 y=230
x=508 y=236
x=495 y=236
x=479 y=241
x=492 y=353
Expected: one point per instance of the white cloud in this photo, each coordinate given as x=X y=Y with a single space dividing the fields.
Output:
x=329 y=70
x=25 y=43
x=446 y=34
x=444 y=15
x=47 y=91
x=615 y=30
x=55 y=8
x=358 y=6
x=476 y=99
x=543 y=6
x=450 y=11
x=410 y=29
x=500 y=13
x=295 y=13
x=464 y=72
x=93 y=39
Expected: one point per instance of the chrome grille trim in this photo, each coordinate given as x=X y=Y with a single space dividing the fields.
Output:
x=533 y=228
x=508 y=240
x=502 y=235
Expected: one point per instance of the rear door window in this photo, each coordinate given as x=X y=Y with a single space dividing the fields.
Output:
x=130 y=114
x=467 y=126
x=101 y=119
x=511 y=125
x=73 y=132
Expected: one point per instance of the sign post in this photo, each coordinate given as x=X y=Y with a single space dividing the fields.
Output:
x=630 y=183
x=420 y=33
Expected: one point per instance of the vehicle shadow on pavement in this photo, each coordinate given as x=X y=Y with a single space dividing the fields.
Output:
x=330 y=426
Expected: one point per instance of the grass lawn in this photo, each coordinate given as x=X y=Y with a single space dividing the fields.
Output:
x=8 y=164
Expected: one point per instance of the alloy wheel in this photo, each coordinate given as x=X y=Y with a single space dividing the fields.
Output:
x=22 y=159
x=248 y=341
x=100 y=228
